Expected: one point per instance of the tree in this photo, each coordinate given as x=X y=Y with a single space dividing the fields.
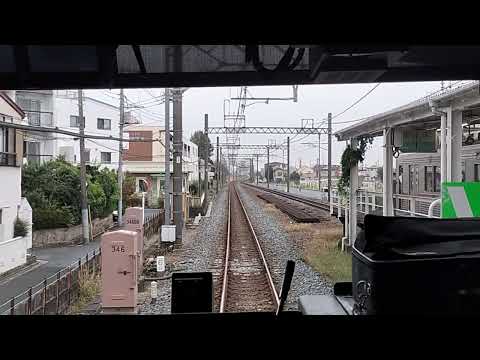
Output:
x=295 y=177
x=131 y=199
x=201 y=140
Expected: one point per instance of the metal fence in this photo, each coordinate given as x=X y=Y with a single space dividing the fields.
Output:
x=153 y=223
x=56 y=293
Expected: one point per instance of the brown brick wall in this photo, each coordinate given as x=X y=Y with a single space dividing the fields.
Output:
x=139 y=151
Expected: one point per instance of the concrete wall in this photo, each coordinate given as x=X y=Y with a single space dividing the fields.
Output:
x=13 y=253
x=67 y=236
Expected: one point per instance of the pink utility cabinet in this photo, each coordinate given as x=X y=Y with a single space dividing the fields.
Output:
x=133 y=220
x=119 y=270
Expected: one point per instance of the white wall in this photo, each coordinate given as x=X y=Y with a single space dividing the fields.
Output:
x=25 y=213
x=64 y=107
x=12 y=254
x=10 y=192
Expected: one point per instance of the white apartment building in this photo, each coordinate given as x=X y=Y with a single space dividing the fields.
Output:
x=60 y=109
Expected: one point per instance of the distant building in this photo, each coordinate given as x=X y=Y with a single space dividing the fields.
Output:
x=279 y=171
x=146 y=160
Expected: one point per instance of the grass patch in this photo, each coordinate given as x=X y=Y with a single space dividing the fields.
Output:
x=323 y=254
x=270 y=208
x=90 y=287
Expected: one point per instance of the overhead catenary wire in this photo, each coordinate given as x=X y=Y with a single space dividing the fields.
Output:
x=358 y=120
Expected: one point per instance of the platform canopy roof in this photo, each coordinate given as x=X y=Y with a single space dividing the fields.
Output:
x=419 y=114
x=142 y=66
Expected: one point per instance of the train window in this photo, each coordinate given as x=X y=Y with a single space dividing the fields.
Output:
x=428 y=186
x=437 y=179
x=416 y=179
x=476 y=168
x=410 y=179
x=400 y=179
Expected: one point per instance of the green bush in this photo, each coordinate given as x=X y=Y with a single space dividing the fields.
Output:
x=133 y=200
x=53 y=191
x=193 y=188
x=160 y=202
x=52 y=217
x=20 y=228
x=96 y=199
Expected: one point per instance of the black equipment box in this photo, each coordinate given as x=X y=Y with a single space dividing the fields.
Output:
x=404 y=265
x=192 y=293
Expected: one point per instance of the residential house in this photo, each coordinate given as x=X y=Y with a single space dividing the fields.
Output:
x=146 y=160
x=13 y=249
x=279 y=171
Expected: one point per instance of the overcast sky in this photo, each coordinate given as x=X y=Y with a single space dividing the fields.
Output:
x=314 y=102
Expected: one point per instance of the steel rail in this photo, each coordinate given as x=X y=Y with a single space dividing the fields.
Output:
x=313 y=203
x=224 y=294
x=265 y=264
x=223 y=297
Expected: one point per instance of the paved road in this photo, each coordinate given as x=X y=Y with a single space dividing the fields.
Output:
x=52 y=260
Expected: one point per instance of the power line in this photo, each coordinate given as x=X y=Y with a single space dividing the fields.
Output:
x=356 y=102
x=422 y=98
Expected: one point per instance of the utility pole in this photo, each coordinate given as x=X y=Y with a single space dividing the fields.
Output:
x=120 y=159
x=288 y=164
x=221 y=168
x=168 y=214
x=268 y=167
x=177 y=165
x=251 y=170
x=329 y=156
x=83 y=171
x=257 y=169
x=206 y=157
x=319 y=181
x=217 y=169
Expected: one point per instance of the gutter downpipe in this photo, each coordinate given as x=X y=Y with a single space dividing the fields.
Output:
x=443 y=151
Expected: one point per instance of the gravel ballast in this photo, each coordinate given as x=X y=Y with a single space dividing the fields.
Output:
x=196 y=254
x=202 y=250
x=278 y=249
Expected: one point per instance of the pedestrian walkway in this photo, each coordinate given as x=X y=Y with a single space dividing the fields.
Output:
x=51 y=261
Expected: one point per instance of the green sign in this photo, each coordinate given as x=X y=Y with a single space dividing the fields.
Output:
x=460 y=199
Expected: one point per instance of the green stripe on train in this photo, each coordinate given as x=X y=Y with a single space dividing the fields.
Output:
x=460 y=199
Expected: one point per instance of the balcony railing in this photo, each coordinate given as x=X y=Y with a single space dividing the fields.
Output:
x=40 y=118
x=37 y=159
x=8 y=159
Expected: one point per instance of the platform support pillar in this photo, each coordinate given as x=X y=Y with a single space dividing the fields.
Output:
x=352 y=234
x=454 y=145
x=387 y=173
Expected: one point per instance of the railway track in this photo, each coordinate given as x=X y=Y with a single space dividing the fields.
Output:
x=247 y=284
x=298 y=208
